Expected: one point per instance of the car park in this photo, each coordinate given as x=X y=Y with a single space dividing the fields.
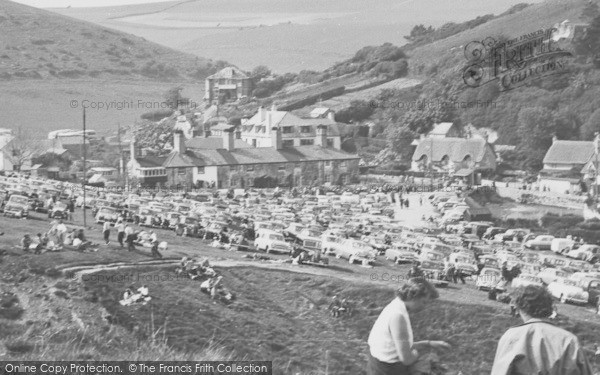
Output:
x=548 y=275
x=401 y=254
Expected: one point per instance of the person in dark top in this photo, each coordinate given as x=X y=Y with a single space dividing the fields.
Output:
x=415 y=271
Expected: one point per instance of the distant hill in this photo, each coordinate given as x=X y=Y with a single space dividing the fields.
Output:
x=37 y=44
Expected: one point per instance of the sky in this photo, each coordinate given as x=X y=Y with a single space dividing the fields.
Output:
x=81 y=3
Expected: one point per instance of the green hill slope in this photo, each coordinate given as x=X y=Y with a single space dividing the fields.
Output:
x=39 y=44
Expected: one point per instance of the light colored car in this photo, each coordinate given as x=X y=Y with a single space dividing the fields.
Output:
x=401 y=254
x=543 y=242
x=525 y=279
x=17 y=206
x=548 y=275
x=586 y=252
x=109 y=214
x=561 y=245
x=567 y=290
x=271 y=241
x=464 y=262
x=355 y=250
x=488 y=278
x=331 y=242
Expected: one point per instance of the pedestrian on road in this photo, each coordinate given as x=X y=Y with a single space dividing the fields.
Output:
x=129 y=237
x=106 y=231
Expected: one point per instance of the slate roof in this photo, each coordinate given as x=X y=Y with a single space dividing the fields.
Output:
x=150 y=161
x=213 y=143
x=231 y=72
x=263 y=155
x=441 y=129
x=284 y=118
x=569 y=152
x=455 y=148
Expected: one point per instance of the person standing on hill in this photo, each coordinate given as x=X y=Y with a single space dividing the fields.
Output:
x=537 y=346
x=120 y=232
x=106 y=231
x=392 y=350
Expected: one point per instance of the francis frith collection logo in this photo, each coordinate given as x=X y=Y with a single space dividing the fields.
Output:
x=513 y=63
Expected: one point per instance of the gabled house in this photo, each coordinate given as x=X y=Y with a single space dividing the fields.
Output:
x=461 y=157
x=228 y=84
x=568 y=166
x=295 y=131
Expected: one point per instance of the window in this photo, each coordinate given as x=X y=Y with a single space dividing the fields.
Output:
x=249 y=168
x=328 y=178
x=233 y=168
x=250 y=181
x=287 y=143
x=181 y=170
x=200 y=170
x=328 y=163
x=287 y=129
x=305 y=129
x=281 y=167
x=329 y=142
x=342 y=164
x=307 y=142
x=254 y=142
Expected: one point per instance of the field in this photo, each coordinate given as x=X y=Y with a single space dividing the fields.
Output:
x=280 y=311
x=286 y=36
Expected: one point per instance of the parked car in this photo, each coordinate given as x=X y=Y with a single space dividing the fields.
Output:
x=567 y=290
x=590 y=253
x=401 y=254
x=489 y=261
x=271 y=241
x=491 y=232
x=17 y=206
x=525 y=279
x=58 y=211
x=355 y=250
x=548 y=275
x=561 y=245
x=464 y=262
x=109 y=214
x=488 y=278
x=510 y=235
x=331 y=242
x=543 y=242
x=592 y=286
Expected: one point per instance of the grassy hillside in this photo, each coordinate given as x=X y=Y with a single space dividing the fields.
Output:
x=564 y=104
x=287 y=36
x=38 y=44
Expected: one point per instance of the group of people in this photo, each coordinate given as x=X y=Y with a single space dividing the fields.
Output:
x=339 y=307
x=535 y=347
x=57 y=238
x=142 y=295
x=201 y=270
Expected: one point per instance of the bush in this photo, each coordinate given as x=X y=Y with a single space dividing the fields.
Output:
x=156 y=115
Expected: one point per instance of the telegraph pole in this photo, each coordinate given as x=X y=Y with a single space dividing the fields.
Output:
x=84 y=170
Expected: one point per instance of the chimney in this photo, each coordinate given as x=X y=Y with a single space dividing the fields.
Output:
x=421 y=136
x=228 y=140
x=276 y=141
x=331 y=115
x=132 y=154
x=554 y=138
x=269 y=119
x=261 y=114
x=179 y=142
x=321 y=139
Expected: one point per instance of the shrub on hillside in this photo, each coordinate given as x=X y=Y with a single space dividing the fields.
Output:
x=157 y=115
